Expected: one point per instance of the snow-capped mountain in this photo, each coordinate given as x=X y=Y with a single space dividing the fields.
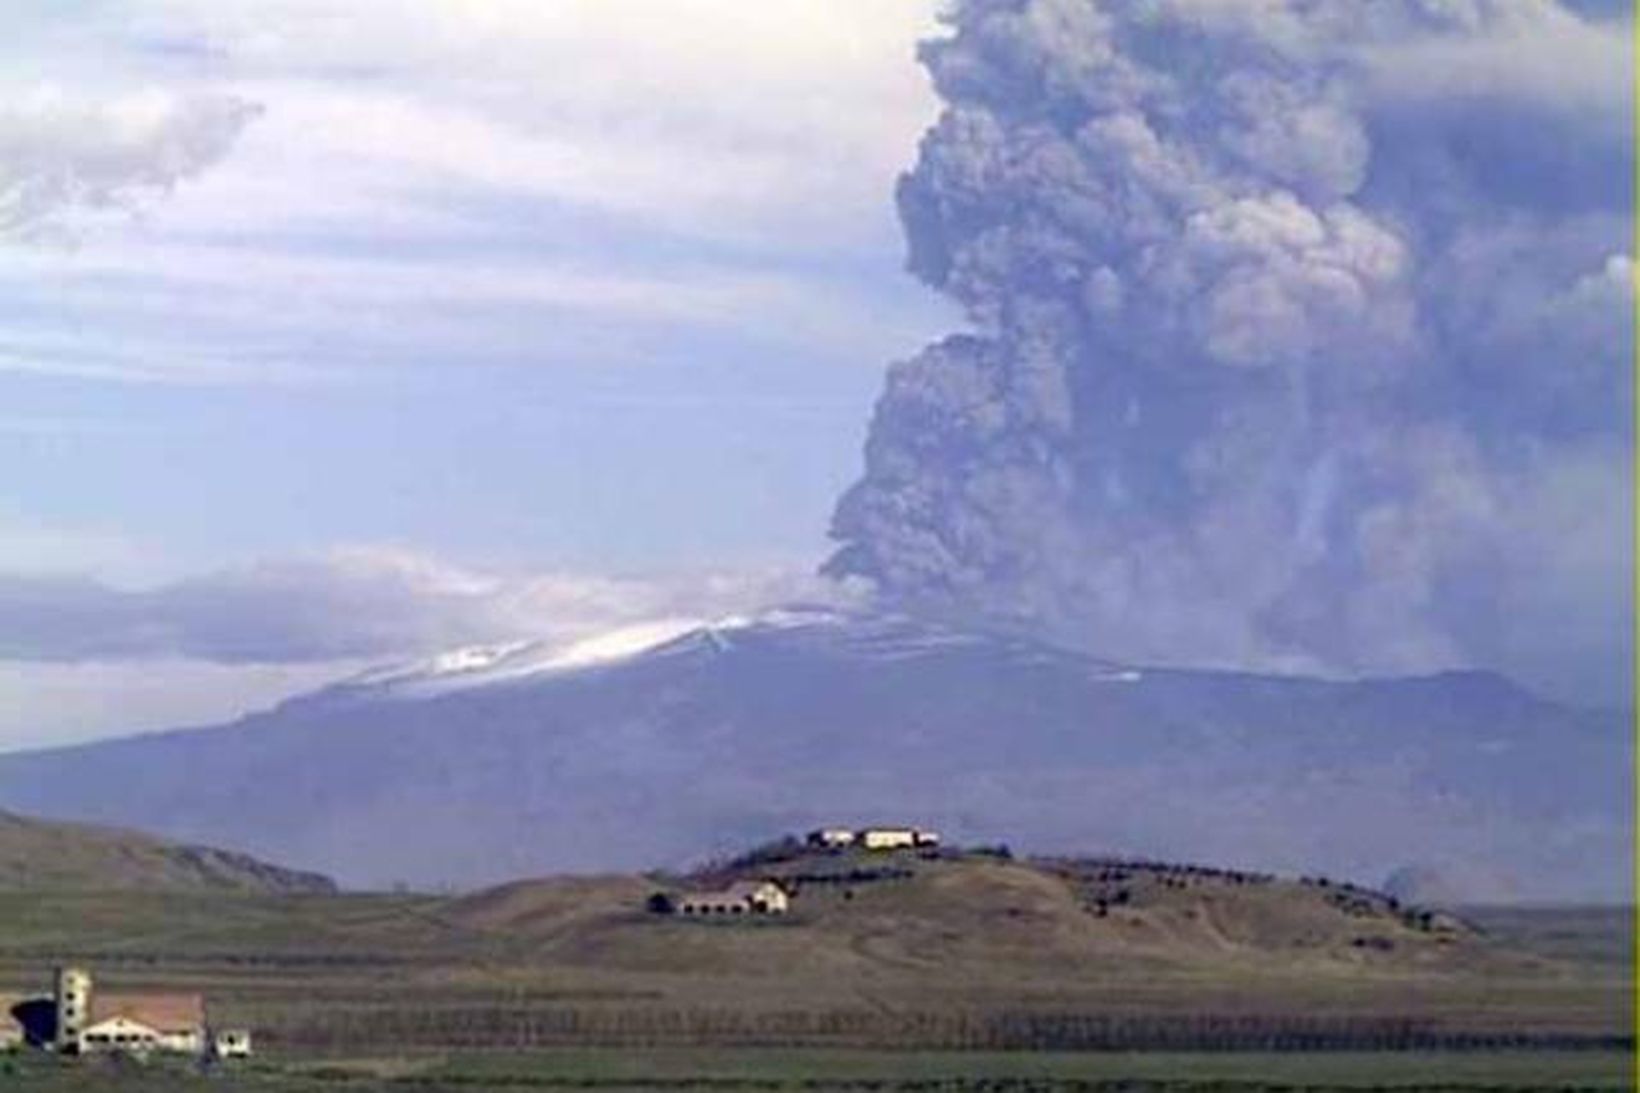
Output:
x=882 y=637
x=479 y=665
x=648 y=745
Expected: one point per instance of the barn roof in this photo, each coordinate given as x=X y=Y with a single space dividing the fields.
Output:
x=740 y=889
x=161 y=1012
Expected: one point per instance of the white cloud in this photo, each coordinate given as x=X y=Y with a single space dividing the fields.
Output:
x=591 y=59
x=81 y=658
x=440 y=180
x=351 y=603
x=62 y=153
x=710 y=115
x=252 y=315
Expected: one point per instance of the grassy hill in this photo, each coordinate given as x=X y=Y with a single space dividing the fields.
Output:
x=977 y=918
x=42 y=855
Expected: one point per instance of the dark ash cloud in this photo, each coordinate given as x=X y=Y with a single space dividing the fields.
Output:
x=1300 y=336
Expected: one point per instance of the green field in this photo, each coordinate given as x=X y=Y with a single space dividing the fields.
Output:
x=774 y=1069
x=965 y=975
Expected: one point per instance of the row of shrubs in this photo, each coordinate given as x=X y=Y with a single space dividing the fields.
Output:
x=860 y=875
x=790 y=848
x=1353 y=900
x=521 y=1027
x=1107 y=871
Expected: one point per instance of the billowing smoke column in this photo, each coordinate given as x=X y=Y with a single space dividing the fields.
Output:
x=1300 y=336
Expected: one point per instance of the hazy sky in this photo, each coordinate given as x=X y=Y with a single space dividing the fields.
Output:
x=334 y=332
x=365 y=303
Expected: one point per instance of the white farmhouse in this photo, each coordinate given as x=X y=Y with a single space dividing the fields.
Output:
x=141 y=1023
x=75 y=1020
x=897 y=838
x=763 y=897
x=91 y=1021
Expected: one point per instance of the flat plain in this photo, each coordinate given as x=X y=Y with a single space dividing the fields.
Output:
x=822 y=1069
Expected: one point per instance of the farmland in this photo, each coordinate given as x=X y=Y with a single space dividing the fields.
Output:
x=926 y=973
x=754 y=1070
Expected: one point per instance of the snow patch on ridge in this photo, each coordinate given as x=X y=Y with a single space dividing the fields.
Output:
x=471 y=658
x=822 y=630
x=619 y=644
x=481 y=665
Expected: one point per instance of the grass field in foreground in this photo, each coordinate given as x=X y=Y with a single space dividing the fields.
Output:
x=569 y=964
x=936 y=983
x=1495 y=1072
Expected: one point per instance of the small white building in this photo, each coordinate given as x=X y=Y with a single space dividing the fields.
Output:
x=897 y=838
x=831 y=838
x=763 y=897
x=231 y=1043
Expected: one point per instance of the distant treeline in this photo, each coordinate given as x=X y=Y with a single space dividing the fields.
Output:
x=499 y=1026
x=1118 y=869
x=861 y=875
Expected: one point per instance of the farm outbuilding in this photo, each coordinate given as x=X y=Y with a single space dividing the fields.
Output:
x=897 y=838
x=872 y=838
x=763 y=897
x=232 y=1043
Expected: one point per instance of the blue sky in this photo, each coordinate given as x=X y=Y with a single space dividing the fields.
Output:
x=501 y=288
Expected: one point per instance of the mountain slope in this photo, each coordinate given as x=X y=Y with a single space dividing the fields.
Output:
x=628 y=754
x=40 y=855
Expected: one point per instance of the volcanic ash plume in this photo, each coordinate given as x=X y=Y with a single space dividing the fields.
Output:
x=1299 y=336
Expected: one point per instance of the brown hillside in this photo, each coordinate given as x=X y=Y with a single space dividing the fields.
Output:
x=891 y=916
x=44 y=855
x=894 y=951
